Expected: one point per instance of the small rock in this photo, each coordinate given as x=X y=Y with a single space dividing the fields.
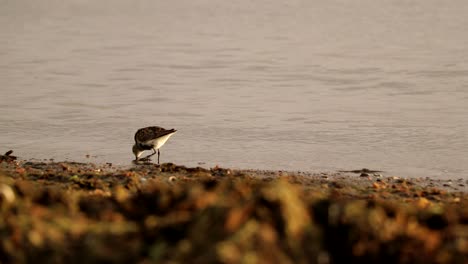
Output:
x=364 y=174
x=172 y=179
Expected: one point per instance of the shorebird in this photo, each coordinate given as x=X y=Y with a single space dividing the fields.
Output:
x=150 y=138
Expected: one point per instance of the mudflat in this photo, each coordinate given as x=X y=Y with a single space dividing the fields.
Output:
x=73 y=212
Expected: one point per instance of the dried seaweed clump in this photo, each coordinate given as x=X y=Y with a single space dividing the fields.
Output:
x=83 y=217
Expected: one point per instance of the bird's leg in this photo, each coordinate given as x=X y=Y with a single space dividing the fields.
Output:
x=147 y=157
x=158 y=156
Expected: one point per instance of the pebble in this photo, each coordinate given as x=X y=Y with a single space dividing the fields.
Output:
x=172 y=179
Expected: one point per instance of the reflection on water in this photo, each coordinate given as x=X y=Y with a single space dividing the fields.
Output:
x=308 y=85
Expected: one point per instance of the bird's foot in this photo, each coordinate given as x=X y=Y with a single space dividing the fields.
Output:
x=144 y=160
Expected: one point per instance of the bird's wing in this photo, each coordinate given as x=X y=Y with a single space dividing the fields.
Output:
x=149 y=133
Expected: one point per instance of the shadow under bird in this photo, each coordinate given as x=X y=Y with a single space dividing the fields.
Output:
x=150 y=138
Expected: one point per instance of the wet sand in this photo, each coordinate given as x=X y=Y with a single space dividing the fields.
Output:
x=84 y=212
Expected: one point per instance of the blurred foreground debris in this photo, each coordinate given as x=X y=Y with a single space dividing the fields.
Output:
x=81 y=213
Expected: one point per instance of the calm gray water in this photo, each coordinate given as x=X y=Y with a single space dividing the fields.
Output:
x=294 y=85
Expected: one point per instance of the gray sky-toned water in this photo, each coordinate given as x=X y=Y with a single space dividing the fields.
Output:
x=293 y=85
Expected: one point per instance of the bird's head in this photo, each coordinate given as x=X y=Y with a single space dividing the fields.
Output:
x=137 y=151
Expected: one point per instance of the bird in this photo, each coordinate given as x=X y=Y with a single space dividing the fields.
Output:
x=150 y=138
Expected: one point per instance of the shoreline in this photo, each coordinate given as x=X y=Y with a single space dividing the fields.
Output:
x=358 y=176
x=403 y=172
x=87 y=212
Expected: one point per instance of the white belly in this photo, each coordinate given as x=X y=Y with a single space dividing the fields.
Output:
x=159 y=142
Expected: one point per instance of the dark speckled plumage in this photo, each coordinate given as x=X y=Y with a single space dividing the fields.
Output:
x=149 y=133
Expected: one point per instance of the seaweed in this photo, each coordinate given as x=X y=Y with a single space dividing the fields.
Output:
x=60 y=212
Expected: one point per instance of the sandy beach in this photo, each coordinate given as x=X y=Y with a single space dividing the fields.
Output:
x=73 y=212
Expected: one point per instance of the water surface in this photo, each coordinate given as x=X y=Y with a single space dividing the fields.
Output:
x=293 y=85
